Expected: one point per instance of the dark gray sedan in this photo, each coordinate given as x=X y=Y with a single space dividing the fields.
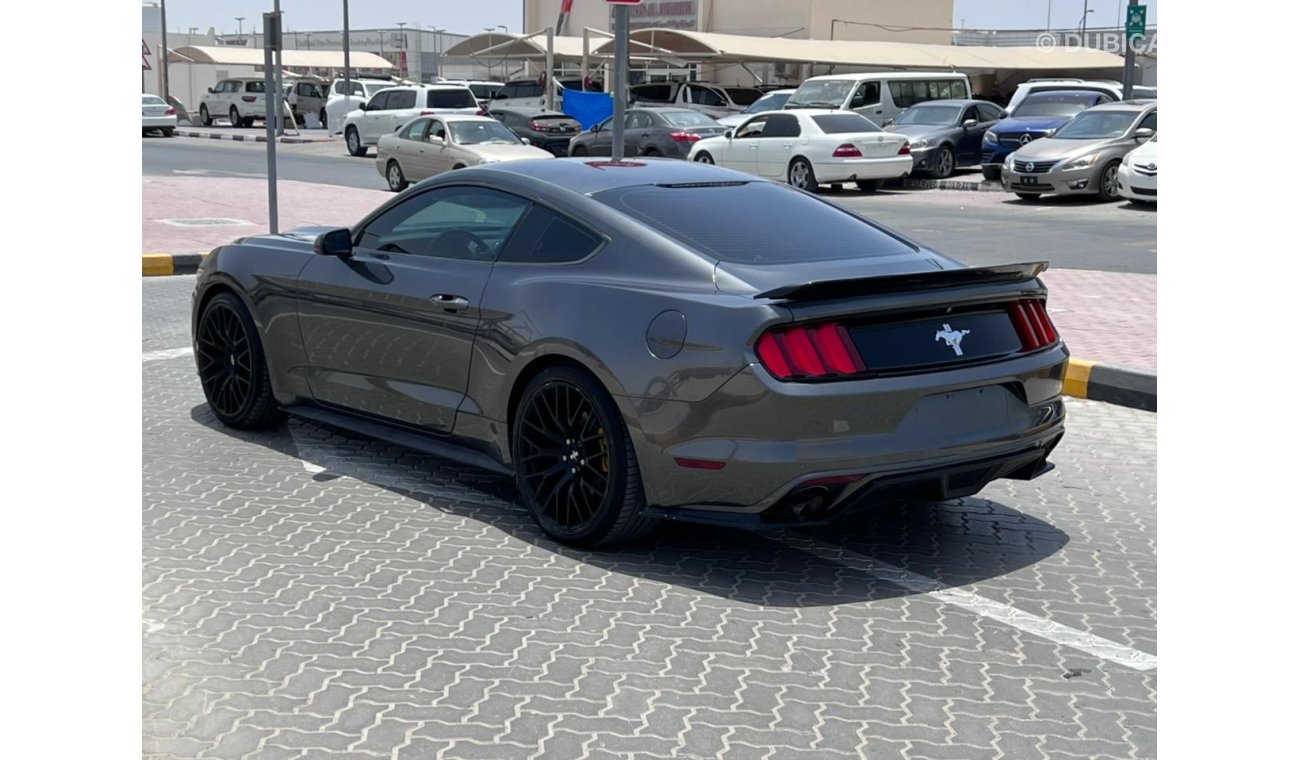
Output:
x=946 y=134
x=640 y=341
x=549 y=130
x=666 y=132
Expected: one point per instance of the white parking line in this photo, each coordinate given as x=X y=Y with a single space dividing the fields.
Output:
x=166 y=353
x=1056 y=633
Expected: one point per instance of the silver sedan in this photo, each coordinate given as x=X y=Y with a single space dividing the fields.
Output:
x=430 y=145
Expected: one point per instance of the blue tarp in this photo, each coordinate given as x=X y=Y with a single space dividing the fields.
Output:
x=589 y=108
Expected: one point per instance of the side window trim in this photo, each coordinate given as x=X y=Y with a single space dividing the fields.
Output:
x=537 y=204
x=361 y=229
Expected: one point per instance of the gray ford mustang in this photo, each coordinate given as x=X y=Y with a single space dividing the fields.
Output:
x=642 y=340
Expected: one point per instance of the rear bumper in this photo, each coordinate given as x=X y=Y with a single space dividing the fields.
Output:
x=863 y=168
x=776 y=439
x=158 y=122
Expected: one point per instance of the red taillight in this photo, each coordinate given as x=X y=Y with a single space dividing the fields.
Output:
x=906 y=150
x=536 y=126
x=685 y=136
x=170 y=112
x=818 y=351
x=847 y=150
x=1032 y=323
x=480 y=112
x=249 y=98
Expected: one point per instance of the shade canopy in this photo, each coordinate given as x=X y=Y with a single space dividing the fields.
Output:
x=234 y=55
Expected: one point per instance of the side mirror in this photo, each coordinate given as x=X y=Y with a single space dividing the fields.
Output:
x=968 y=123
x=887 y=122
x=211 y=91
x=336 y=242
x=1143 y=133
x=1003 y=115
x=728 y=134
x=526 y=141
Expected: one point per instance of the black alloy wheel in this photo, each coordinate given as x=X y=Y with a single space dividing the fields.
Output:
x=232 y=369
x=574 y=464
x=703 y=157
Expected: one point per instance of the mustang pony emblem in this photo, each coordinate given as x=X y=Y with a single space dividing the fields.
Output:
x=951 y=337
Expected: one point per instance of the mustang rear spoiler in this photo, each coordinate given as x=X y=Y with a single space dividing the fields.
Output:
x=894 y=283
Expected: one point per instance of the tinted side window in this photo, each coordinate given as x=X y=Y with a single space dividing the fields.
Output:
x=508 y=91
x=450 y=99
x=867 y=94
x=400 y=99
x=1149 y=122
x=466 y=223
x=417 y=130
x=545 y=237
x=255 y=86
x=752 y=128
x=705 y=96
x=530 y=90
x=782 y=125
x=639 y=120
x=989 y=112
x=377 y=103
x=655 y=92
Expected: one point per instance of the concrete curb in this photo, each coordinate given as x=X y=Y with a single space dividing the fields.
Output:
x=246 y=138
x=1113 y=385
x=159 y=264
x=969 y=186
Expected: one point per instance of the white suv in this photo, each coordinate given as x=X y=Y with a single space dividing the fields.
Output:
x=389 y=109
x=241 y=100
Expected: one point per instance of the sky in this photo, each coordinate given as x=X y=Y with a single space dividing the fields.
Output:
x=472 y=16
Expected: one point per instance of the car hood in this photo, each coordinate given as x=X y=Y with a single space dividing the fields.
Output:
x=1054 y=149
x=507 y=152
x=1144 y=153
x=1028 y=124
x=920 y=130
x=734 y=120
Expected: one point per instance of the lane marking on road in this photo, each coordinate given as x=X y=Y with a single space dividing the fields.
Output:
x=1027 y=622
x=166 y=353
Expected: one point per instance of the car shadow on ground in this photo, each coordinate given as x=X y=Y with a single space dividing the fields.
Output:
x=929 y=545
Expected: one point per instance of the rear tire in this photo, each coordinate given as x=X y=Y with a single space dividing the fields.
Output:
x=324 y=121
x=235 y=121
x=800 y=174
x=169 y=131
x=576 y=470
x=353 y=140
x=580 y=151
x=205 y=118
x=396 y=179
x=651 y=153
x=868 y=185
x=232 y=365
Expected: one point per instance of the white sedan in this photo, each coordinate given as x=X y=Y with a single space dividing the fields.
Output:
x=430 y=145
x=1137 y=173
x=808 y=148
x=156 y=114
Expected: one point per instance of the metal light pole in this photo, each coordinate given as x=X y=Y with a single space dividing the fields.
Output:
x=1083 y=23
x=347 y=57
x=550 y=68
x=162 y=70
x=270 y=42
x=279 y=76
x=620 y=77
x=1049 y=15
x=437 y=50
x=240 y=19
x=401 y=46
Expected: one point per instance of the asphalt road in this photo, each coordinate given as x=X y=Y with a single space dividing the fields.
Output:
x=308 y=593
x=976 y=228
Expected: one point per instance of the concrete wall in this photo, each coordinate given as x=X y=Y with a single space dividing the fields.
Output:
x=934 y=14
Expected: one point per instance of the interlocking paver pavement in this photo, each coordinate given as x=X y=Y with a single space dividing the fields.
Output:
x=311 y=594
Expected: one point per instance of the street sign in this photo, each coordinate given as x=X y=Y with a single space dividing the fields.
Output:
x=1137 y=21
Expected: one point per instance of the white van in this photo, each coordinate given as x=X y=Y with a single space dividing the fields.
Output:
x=880 y=96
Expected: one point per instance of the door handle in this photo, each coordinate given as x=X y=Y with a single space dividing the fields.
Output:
x=787 y=145
x=449 y=302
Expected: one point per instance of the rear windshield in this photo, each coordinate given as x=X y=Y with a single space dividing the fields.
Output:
x=842 y=123
x=484 y=91
x=555 y=121
x=255 y=87
x=462 y=98
x=689 y=119
x=753 y=223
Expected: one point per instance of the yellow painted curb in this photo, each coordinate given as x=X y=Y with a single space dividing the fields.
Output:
x=157 y=263
x=1077 y=373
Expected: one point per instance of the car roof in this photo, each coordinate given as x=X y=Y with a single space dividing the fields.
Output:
x=460 y=117
x=526 y=111
x=1062 y=92
x=887 y=75
x=1124 y=105
x=953 y=102
x=586 y=175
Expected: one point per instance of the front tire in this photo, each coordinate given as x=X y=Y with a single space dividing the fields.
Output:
x=575 y=467
x=169 y=131
x=205 y=118
x=235 y=121
x=992 y=173
x=703 y=157
x=324 y=120
x=944 y=164
x=396 y=179
x=232 y=366
x=801 y=175
x=580 y=151
x=1108 y=182
x=353 y=140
